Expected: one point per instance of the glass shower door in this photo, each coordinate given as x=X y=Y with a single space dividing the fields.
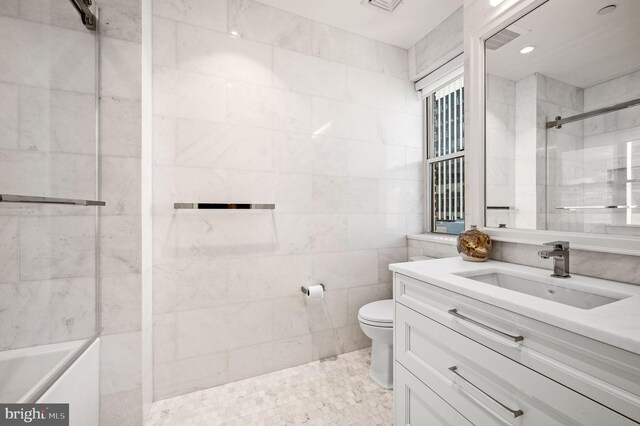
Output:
x=48 y=189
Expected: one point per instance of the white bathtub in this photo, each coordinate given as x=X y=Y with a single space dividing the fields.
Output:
x=27 y=374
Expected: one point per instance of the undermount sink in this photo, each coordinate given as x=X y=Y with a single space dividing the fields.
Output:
x=543 y=289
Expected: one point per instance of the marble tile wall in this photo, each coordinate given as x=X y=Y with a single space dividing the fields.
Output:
x=319 y=121
x=442 y=44
x=47 y=148
x=120 y=228
x=500 y=150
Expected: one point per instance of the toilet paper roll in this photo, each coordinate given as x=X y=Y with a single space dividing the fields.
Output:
x=314 y=291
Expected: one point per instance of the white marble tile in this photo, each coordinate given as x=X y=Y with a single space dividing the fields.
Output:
x=307 y=74
x=290 y=317
x=376 y=160
x=40 y=55
x=210 y=14
x=368 y=231
x=9 y=249
x=57 y=247
x=116 y=189
x=268 y=277
x=401 y=196
x=190 y=285
x=119 y=245
x=164 y=42
x=296 y=233
x=330 y=155
x=184 y=94
x=8 y=116
x=164 y=140
x=266 y=24
x=346 y=269
x=50 y=12
x=9 y=8
x=255 y=360
x=187 y=185
x=120 y=126
x=189 y=375
x=121 y=20
x=120 y=362
x=328 y=313
x=221 y=55
x=164 y=337
x=119 y=61
x=52 y=120
x=24 y=314
x=73 y=313
x=293 y=193
x=393 y=61
x=216 y=145
x=376 y=90
x=206 y=331
x=329 y=42
x=293 y=152
x=120 y=299
x=251 y=187
x=362 y=52
x=342 y=194
x=270 y=108
x=343 y=120
x=387 y=257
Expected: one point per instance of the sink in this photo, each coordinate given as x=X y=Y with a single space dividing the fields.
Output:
x=543 y=289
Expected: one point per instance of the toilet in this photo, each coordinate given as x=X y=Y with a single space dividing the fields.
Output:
x=376 y=321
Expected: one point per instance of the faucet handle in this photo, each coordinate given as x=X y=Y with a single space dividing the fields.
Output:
x=558 y=245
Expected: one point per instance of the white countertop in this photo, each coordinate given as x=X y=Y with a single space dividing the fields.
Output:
x=617 y=323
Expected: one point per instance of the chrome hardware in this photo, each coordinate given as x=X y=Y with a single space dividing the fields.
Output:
x=88 y=18
x=514 y=413
x=559 y=121
x=456 y=314
x=8 y=198
x=304 y=289
x=222 y=206
x=560 y=255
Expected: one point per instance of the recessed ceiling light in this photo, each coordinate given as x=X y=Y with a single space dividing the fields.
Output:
x=234 y=33
x=527 y=49
x=607 y=9
x=495 y=3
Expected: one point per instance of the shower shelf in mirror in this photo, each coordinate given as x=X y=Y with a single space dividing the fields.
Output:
x=27 y=199
x=594 y=207
x=223 y=206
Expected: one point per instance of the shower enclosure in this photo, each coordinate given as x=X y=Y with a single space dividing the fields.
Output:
x=49 y=200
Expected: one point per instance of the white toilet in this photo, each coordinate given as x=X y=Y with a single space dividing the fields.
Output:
x=376 y=321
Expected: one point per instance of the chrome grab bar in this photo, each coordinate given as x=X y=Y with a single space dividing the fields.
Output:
x=9 y=198
x=456 y=314
x=514 y=413
x=223 y=206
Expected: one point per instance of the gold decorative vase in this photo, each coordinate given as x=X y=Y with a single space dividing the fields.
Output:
x=474 y=245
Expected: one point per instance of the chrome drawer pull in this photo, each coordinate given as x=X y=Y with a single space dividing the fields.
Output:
x=515 y=413
x=456 y=314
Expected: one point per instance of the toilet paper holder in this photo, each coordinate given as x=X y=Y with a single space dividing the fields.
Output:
x=305 y=290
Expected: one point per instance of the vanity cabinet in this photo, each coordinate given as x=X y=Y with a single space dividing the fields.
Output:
x=496 y=367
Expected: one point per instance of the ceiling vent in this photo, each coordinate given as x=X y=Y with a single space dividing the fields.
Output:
x=388 y=5
x=500 y=39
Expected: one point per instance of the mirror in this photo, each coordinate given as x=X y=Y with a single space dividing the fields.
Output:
x=563 y=119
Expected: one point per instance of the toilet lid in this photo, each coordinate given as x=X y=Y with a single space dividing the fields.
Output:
x=380 y=311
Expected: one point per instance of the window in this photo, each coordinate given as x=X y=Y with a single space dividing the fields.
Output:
x=445 y=157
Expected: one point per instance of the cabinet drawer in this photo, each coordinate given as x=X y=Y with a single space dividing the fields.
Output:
x=486 y=387
x=599 y=371
x=417 y=405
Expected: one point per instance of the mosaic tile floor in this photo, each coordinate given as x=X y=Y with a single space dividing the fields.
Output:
x=330 y=392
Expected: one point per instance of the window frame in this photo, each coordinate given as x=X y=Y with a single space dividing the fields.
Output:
x=428 y=87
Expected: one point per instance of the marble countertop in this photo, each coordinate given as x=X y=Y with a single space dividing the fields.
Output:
x=616 y=323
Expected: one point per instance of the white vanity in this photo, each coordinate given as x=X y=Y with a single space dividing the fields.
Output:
x=496 y=344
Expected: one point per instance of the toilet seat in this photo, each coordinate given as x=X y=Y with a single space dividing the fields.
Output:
x=377 y=314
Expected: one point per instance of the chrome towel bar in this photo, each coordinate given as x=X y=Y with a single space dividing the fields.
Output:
x=223 y=206
x=9 y=198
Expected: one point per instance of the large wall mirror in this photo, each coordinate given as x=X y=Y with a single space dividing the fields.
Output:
x=563 y=119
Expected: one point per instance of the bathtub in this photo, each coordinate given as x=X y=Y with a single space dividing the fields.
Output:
x=60 y=372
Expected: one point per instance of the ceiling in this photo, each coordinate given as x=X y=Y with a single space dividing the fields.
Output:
x=573 y=43
x=411 y=21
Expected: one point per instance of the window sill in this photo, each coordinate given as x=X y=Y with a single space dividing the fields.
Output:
x=435 y=238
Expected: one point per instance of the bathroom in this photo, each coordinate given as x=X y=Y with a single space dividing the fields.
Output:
x=248 y=211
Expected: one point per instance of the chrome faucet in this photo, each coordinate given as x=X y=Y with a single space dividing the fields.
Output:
x=560 y=255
